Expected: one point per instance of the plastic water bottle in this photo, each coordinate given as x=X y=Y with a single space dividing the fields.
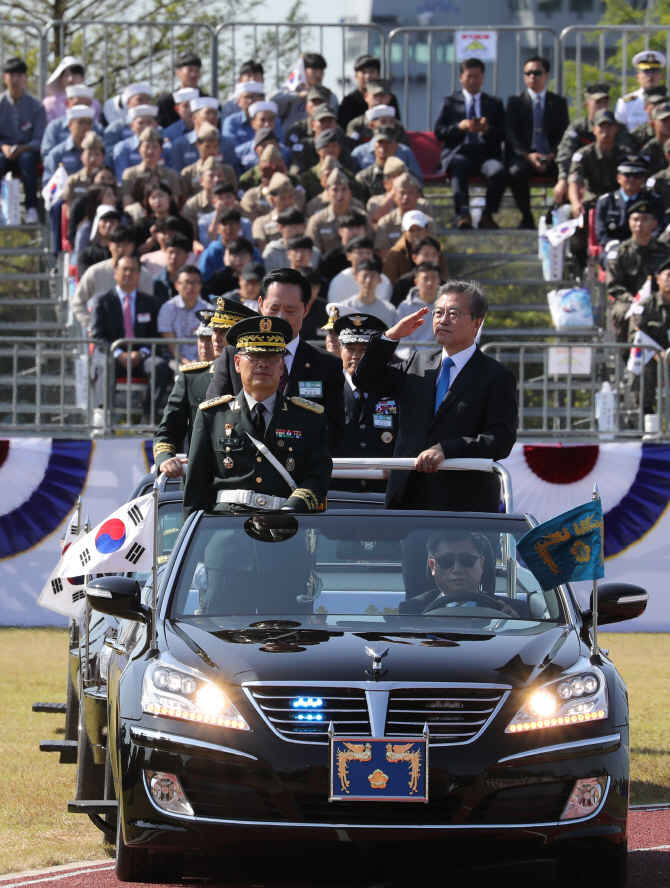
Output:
x=606 y=410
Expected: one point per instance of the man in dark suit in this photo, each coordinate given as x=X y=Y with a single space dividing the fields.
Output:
x=452 y=402
x=535 y=122
x=471 y=126
x=123 y=313
x=312 y=373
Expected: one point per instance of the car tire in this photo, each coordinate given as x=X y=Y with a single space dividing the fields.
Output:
x=90 y=777
x=140 y=865
x=71 y=709
x=595 y=871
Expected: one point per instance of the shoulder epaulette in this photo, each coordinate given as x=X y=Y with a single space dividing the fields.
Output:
x=308 y=405
x=214 y=402
x=630 y=97
x=197 y=365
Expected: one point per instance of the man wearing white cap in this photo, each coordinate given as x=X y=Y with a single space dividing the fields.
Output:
x=134 y=94
x=238 y=126
x=182 y=104
x=630 y=108
x=262 y=116
x=68 y=153
x=127 y=152
x=188 y=68
x=70 y=72
x=57 y=131
x=185 y=151
x=406 y=194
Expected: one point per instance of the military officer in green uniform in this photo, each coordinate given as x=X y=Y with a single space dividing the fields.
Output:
x=654 y=96
x=191 y=385
x=259 y=449
x=652 y=318
x=370 y=418
x=629 y=266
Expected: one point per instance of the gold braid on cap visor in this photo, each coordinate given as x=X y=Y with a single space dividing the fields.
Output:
x=225 y=319
x=262 y=342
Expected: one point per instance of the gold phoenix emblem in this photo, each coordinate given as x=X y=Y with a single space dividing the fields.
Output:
x=265 y=325
x=404 y=753
x=356 y=752
x=378 y=779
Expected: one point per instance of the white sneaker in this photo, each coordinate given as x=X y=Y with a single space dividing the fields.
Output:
x=31 y=217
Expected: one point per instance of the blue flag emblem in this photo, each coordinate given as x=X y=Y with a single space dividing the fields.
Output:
x=568 y=547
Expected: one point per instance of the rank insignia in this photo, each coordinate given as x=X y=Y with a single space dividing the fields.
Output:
x=290 y=464
x=387 y=437
x=228 y=463
x=265 y=325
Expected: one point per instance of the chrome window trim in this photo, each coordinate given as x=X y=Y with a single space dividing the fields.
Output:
x=174 y=564
x=370 y=687
x=155 y=737
x=398 y=826
x=594 y=742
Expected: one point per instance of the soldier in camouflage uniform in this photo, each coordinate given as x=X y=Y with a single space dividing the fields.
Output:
x=190 y=387
x=305 y=154
x=660 y=182
x=645 y=131
x=629 y=265
x=653 y=150
x=595 y=168
x=652 y=318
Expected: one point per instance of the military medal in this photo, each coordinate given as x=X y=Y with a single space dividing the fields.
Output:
x=387 y=437
x=229 y=430
x=290 y=464
x=228 y=463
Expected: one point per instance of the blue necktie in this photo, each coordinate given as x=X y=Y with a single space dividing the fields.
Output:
x=443 y=382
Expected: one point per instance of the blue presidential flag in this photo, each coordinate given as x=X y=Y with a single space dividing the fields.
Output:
x=568 y=547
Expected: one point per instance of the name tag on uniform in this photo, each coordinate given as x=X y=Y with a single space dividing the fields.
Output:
x=311 y=389
x=143 y=318
x=394 y=235
x=382 y=421
x=228 y=442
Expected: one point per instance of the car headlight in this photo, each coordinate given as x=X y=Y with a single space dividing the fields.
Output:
x=173 y=690
x=573 y=699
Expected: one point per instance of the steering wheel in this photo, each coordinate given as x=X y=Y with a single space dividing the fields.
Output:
x=479 y=598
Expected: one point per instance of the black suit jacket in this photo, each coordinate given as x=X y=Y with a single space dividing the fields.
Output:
x=519 y=123
x=107 y=317
x=448 y=131
x=478 y=418
x=309 y=364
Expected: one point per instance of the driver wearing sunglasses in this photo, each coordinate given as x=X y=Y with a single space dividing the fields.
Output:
x=456 y=561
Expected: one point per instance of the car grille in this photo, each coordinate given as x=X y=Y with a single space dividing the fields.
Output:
x=542 y=803
x=228 y=801
x=436 y=811
x=453 y=715
x=345 y=707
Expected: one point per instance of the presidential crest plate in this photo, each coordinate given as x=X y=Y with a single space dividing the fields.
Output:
x=380 y=769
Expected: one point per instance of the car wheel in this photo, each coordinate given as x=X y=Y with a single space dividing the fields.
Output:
x=71 y=709
x=90 y=777
x=595 y=871
x=140 y=865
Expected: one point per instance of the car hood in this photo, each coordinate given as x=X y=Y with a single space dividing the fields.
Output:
x=236 y=657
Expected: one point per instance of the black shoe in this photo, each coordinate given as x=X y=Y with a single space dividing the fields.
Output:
x=465 y=222
x=487 y=222
x=527 y=224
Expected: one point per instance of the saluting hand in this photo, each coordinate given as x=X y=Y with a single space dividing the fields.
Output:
x=407 y=325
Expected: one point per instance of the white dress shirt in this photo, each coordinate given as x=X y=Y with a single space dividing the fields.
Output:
x=268 y=406
x=460 y=359
x=290 y=353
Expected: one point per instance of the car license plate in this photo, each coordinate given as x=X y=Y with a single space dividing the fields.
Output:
x=382 y=769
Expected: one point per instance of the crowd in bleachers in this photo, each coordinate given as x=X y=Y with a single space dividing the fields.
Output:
x=290 y=177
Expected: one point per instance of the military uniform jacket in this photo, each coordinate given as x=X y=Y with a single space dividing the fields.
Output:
x=630 y=267
x=580 y=134
x=370 y=430
x=653 y=151
x=304 y=154
x=189 y=391
x=596 y=171
x=360 y=131
x=642 y=134
x=629 y=109
x=611 y=219
x=221 y=456
x=654 y=321
x=660 y=184
x=313 y=187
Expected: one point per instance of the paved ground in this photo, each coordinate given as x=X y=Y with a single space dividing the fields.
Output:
x=649 y=867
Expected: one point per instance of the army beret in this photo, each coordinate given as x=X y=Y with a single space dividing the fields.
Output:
x=385 y=133
x=604 y=115
x=597 y=91
x=640 y=206
x=327 y=137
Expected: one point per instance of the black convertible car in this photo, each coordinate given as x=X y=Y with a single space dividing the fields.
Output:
x=364 y=676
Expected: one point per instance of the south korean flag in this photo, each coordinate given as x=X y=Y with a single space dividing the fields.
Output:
x=65 y=594
x=71 y=533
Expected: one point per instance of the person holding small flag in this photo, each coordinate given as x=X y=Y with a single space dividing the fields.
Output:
x=649 y=323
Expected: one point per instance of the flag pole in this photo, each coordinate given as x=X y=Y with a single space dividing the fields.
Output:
x=595 y=650
x=79 y=505
x=87 y=620
x=154 y=571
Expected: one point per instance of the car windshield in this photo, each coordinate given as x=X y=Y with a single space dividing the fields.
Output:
x=372 y=571
x=170 y=520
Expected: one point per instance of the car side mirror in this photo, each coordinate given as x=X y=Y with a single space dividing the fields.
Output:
x=620 y=601
x=118 y=597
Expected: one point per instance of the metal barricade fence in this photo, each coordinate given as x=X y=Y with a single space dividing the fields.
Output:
x=116 y=53
x=605 y=53
x=278 y=45
x=45 y=386
x=558 y=385
x=427 y=56
x=128 y=414
x=24 y=40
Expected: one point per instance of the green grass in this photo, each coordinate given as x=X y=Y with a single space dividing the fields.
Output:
x=36 y=831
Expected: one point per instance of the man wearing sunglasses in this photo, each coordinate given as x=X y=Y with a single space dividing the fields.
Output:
x=535 y=122
x=611 y=218
x=452 y=401
x=456 y=560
